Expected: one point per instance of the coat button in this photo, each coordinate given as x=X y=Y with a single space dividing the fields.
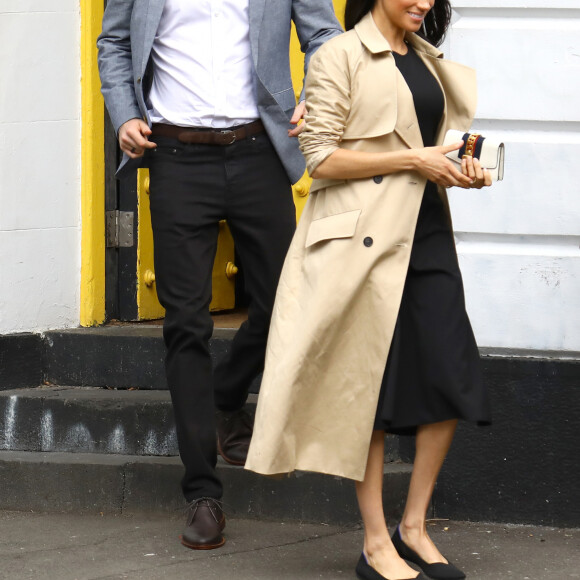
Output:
x=378 y=179
x=368 y=242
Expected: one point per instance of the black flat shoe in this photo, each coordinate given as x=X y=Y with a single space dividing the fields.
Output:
x=436 y=571
x=364 y=571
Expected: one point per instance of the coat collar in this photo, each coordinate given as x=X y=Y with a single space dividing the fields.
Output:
x=376 y=43
x=407 y=125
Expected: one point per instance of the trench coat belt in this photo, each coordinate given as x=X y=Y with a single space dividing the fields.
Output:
x=208 y=136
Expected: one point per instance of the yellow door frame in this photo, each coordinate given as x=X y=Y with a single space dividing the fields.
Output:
x=92 y=290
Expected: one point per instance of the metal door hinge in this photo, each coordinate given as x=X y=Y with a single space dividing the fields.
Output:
x=119 y=229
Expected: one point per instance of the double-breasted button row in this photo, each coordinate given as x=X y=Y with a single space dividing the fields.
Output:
x=368 y=241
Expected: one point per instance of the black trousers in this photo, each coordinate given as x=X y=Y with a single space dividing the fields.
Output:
x=192 y=188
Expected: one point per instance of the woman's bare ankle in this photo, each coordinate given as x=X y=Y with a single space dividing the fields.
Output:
x=415 y=535
x=412 y=527
x=387 y=562
x=374 y=546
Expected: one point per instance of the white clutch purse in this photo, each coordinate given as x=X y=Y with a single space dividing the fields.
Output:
x=490 y=153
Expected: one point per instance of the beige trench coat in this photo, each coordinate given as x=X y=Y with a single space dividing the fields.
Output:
x=342 y=282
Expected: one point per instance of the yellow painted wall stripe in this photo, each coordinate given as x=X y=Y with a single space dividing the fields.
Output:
x=92 y=291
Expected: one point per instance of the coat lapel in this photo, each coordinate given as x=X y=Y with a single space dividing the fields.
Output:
x=406 y=125
x=460 y=89
x=457 y=83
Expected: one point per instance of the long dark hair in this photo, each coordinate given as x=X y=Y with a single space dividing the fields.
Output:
x=436 y=22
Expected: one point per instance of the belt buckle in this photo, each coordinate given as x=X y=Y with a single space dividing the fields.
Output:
x=227 y=134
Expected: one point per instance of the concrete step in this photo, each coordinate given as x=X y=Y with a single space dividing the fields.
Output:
x=98 y=420
x=115 y=484
x=82 y=449
x=124 y=356
x=89 y=420
x=532 y=392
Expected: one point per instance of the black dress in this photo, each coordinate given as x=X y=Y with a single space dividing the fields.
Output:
x=433 y=370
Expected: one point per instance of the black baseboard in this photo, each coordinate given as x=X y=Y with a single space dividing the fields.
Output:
x=525 y=467
x=20 y=361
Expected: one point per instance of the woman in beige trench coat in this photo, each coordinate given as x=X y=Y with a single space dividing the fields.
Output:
x=341 y=288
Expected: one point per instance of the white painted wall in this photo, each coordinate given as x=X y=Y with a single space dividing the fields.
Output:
x=39 y=164
x=519 y=241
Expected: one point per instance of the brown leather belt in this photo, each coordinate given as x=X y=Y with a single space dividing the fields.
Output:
x=207 y=136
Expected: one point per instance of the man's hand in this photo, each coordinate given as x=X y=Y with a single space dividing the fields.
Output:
x=133 y=138
x=299 y=113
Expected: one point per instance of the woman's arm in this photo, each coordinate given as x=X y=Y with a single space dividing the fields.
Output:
x=328 y=87
x=428 y=161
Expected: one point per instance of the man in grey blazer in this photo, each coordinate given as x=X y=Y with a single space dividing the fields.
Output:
x=201 y=94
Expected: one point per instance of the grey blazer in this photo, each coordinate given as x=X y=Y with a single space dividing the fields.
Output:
x=129 y=28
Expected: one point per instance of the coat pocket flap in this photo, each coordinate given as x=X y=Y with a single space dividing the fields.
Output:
x=340 y=225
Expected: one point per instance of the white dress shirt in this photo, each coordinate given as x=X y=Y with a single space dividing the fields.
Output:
x=202 y=65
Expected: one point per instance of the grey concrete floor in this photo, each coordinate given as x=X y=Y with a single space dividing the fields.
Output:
x=76 y=547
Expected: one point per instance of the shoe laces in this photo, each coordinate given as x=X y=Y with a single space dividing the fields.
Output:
x=193 y=506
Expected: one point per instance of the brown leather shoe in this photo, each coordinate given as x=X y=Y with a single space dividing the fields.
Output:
x=204 y=525
x=234 y=431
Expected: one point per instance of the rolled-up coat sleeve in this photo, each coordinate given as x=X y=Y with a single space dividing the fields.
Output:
x=328 y=104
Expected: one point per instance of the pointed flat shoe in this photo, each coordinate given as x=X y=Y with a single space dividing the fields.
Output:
x=364 y=571
x=436 y=571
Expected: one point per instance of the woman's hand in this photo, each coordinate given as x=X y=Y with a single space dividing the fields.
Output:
x=479 y=176
x=433 y=165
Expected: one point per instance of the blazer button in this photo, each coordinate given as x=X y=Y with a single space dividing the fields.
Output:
x=368 y=242
x=378 y=179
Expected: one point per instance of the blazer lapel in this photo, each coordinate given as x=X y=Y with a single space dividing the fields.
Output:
x=154 y=9
x=256 y=15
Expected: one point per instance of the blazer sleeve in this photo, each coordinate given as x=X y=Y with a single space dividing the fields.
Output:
x=328 y=101
x=316 y=23
x=115 y=63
